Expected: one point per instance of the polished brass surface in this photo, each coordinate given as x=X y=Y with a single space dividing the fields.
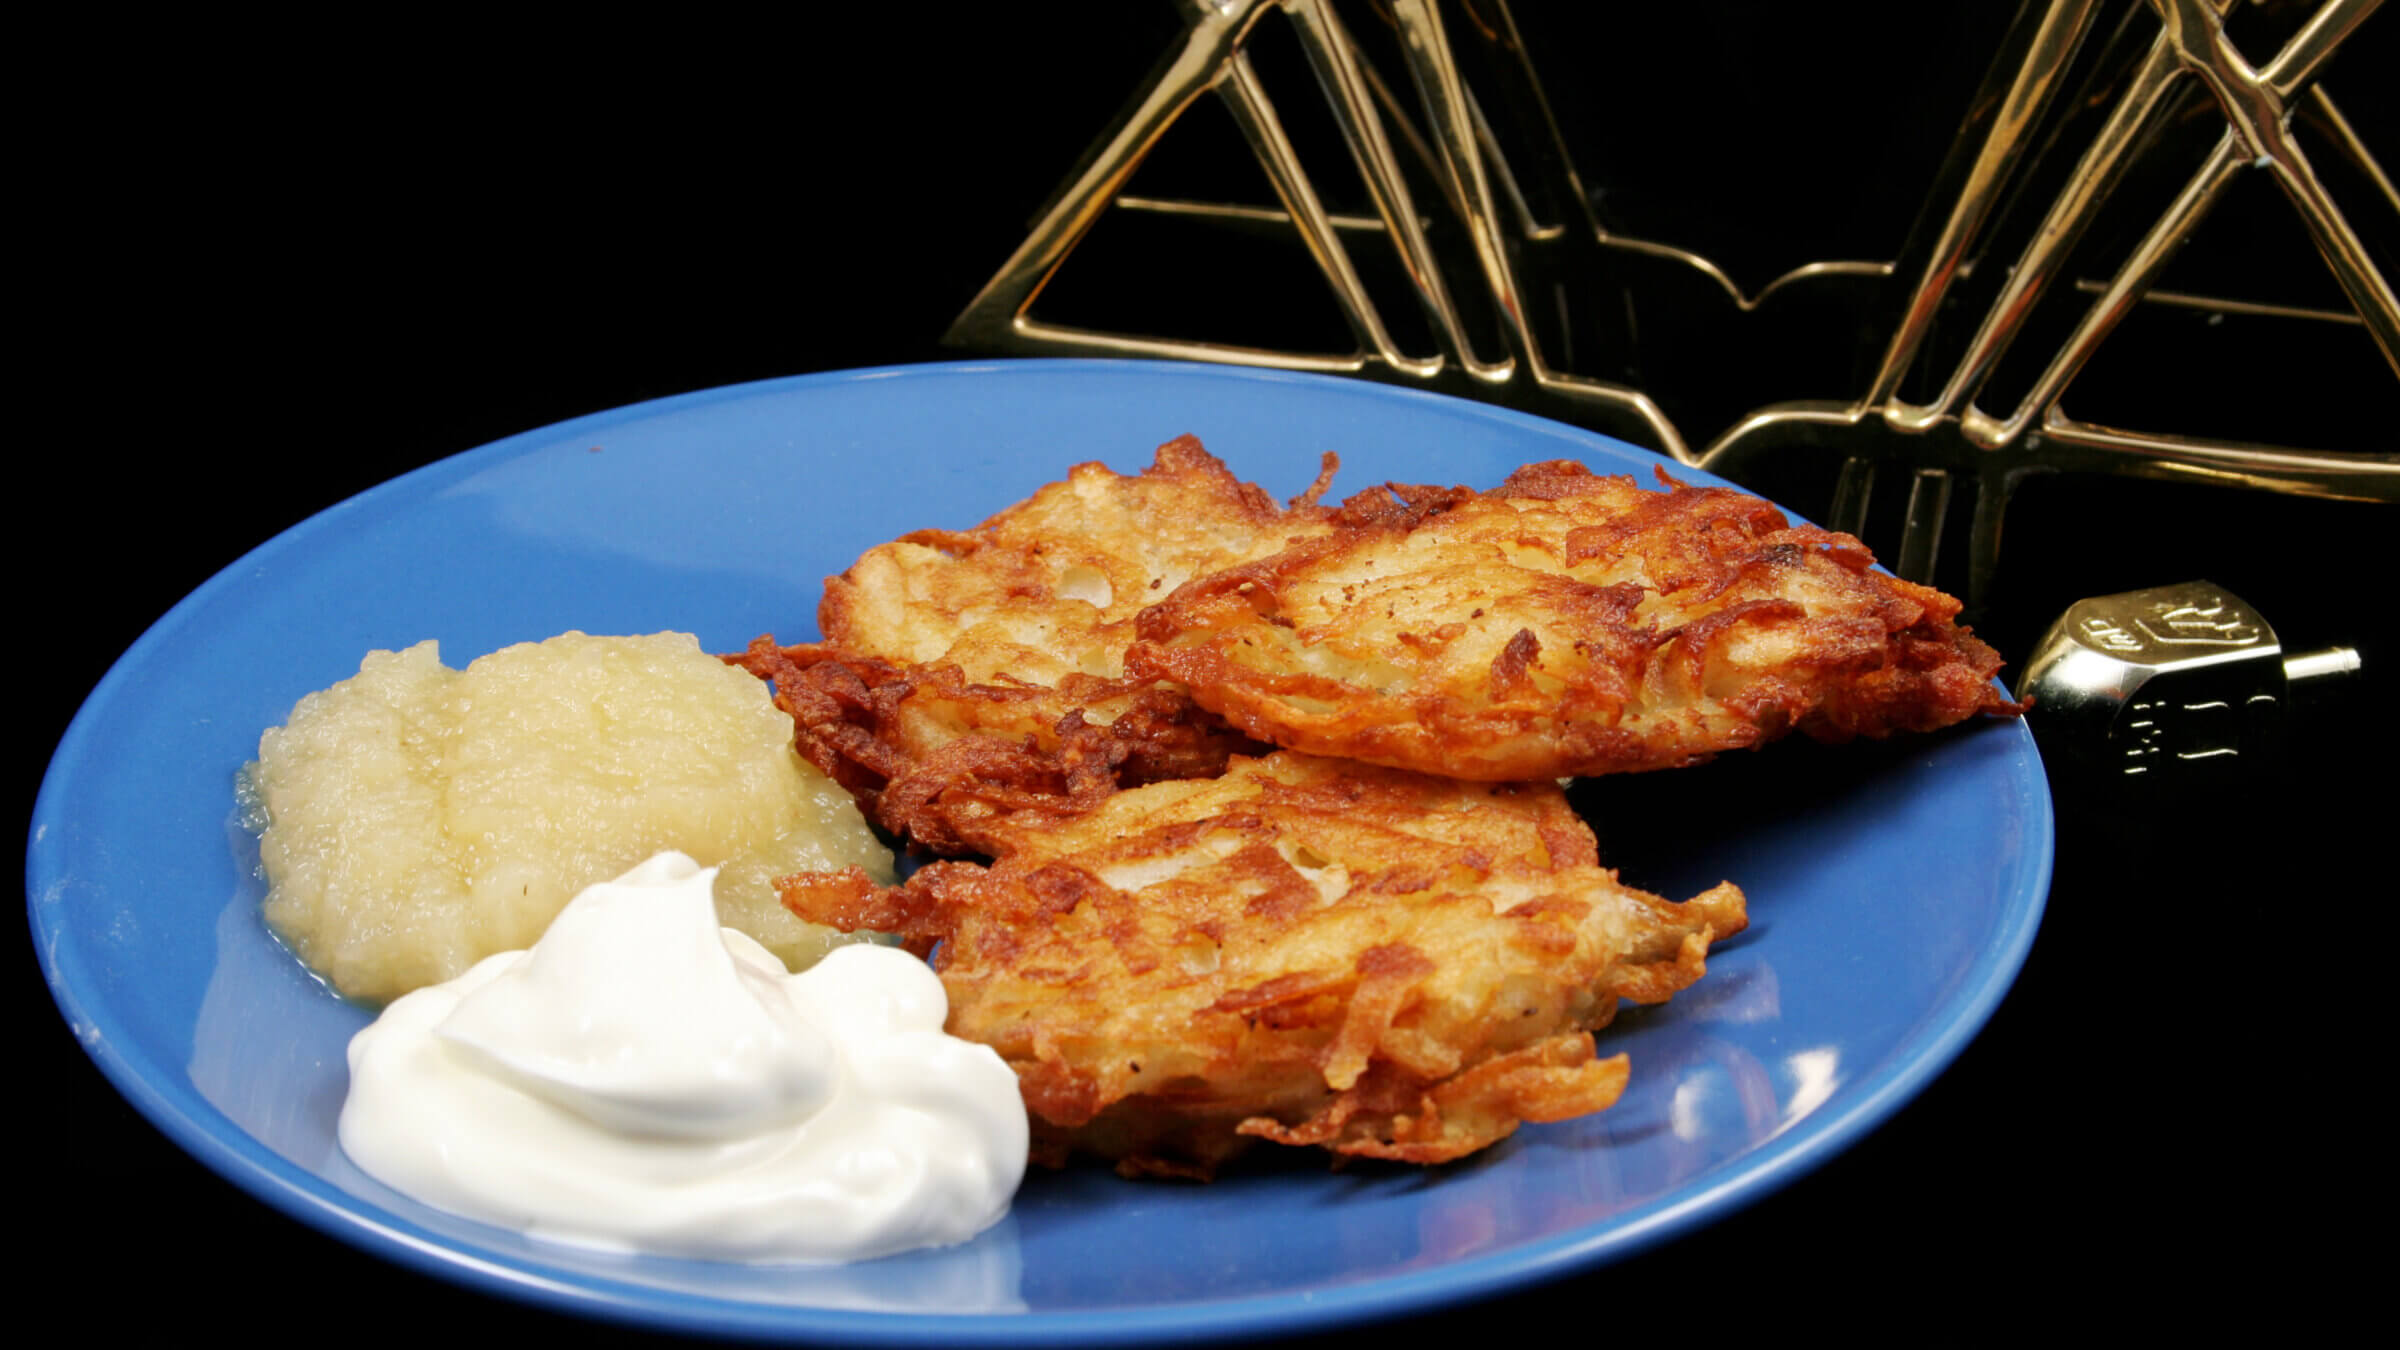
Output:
x=2168 y=680
x=2077 y=99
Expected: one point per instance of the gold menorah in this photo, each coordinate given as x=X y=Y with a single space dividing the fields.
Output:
x=1471 y=188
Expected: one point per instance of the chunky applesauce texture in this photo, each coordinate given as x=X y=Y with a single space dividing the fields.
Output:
x=416 y=819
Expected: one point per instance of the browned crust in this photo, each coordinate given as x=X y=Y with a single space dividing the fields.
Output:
x=1156 y=948
x=858 y=718
x=1564 y=624
x=1307 y=951
x=970 y=673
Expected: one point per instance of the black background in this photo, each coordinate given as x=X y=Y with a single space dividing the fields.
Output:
x=278 y=267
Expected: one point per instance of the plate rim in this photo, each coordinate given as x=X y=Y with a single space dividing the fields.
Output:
x=1748 y=1177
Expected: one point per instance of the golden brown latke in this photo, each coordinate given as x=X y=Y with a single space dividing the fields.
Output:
x=932 y=757
x=965 y=672
x=1564 y=624
x=1049 y=587
x=1303 y=950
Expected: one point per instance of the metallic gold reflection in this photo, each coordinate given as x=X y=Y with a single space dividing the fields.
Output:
x=1952 y=447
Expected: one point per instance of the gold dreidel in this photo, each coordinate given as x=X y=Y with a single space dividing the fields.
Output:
x=2173 y=683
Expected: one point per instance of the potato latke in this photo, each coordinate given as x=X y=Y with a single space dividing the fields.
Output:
x=1563 y=624
x=965 y=672
x=1302 y=950
x=1185 y=942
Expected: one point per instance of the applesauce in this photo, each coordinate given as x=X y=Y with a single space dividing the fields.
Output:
x=417 y=819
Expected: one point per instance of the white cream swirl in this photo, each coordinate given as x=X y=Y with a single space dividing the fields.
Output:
x=643 y=1079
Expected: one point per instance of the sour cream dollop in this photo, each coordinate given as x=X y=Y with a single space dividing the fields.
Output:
x=645 y=1080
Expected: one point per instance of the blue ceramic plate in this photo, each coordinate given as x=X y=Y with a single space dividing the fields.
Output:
x=1865 y=972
